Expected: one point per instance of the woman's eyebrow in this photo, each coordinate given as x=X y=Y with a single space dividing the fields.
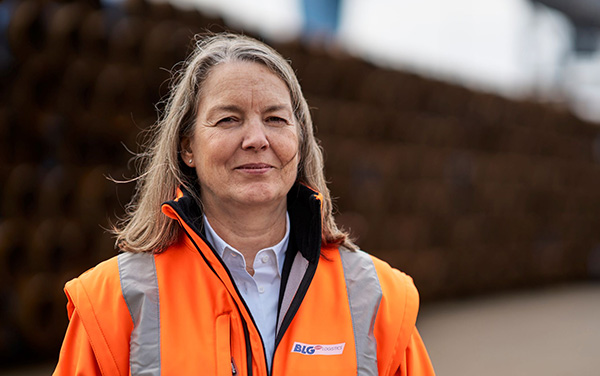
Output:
x=277 y=107
x=223 y=108
x=234 y=108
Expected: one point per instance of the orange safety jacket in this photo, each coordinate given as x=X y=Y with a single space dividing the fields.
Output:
x=179 y=312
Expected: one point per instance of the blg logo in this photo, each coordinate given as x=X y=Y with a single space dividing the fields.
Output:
x=309 y=349
x=303 y=349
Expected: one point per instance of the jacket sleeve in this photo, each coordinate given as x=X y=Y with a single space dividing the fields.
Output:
x=400 y=350
x=76 y=354
x=97 y=339
x=416 y=360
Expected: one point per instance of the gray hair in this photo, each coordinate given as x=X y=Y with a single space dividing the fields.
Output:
x=144 y=228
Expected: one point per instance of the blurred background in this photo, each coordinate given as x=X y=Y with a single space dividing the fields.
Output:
x=462 y=142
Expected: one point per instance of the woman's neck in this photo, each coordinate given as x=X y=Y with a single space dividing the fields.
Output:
x=246 y=230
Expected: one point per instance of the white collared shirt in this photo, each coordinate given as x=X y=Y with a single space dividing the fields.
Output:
x=261 y=291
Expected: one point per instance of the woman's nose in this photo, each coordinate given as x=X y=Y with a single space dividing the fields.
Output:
x=255 y=137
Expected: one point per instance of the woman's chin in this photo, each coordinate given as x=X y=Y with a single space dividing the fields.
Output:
x=261 y=195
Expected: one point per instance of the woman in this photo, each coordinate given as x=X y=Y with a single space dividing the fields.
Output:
x=244 y=270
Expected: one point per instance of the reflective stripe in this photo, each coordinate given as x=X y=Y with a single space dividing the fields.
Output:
x=139 y=285
x=295 y=278
x=364 y=296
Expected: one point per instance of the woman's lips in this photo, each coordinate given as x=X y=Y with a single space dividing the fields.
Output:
x=254 y=168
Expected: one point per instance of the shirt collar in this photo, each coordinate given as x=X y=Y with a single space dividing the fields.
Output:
x=221 y=245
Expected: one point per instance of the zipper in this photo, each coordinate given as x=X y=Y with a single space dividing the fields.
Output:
x=299 y=295
x=233 y=367
x=244 y=323
x=295 y=304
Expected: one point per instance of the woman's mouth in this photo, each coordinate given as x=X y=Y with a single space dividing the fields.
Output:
x=254 y=168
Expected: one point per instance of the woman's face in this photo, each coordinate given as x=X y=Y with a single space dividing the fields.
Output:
x=245 y=142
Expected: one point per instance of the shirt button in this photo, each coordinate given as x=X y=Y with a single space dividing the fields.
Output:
x=261 y=289
x=264 y=259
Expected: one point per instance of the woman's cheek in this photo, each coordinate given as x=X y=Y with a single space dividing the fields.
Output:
x=289 y=152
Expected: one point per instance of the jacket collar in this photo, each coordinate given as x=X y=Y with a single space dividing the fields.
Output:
x=303 y=205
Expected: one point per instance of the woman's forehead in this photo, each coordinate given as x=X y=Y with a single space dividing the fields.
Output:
x=244 y=83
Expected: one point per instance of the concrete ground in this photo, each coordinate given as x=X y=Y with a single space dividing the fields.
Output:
x=550 y=332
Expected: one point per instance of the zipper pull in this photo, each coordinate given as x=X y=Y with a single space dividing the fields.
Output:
x=233 y=367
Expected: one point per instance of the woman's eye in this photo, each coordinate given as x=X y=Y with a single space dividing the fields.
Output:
x=276 y=120
x=226 y=120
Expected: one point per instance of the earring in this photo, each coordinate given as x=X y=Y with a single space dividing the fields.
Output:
x=191 y=161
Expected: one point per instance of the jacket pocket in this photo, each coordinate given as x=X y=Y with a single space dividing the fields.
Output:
x=223 y=345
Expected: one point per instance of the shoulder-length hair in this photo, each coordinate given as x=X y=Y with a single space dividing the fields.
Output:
x=145 y=228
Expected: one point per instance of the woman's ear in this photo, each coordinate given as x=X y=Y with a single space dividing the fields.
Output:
x=186 y=152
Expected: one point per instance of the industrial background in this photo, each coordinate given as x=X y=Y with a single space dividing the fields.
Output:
x=468 y=192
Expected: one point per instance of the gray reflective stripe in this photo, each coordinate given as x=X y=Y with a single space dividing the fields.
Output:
x=364 y=295
x=140 y=290
x=297 y=272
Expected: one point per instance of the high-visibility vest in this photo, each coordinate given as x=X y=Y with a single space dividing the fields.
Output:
x=179 y=312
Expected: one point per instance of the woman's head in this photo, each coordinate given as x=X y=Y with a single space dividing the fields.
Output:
x=164 y=168
x=221 y=49
x=243 y=147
